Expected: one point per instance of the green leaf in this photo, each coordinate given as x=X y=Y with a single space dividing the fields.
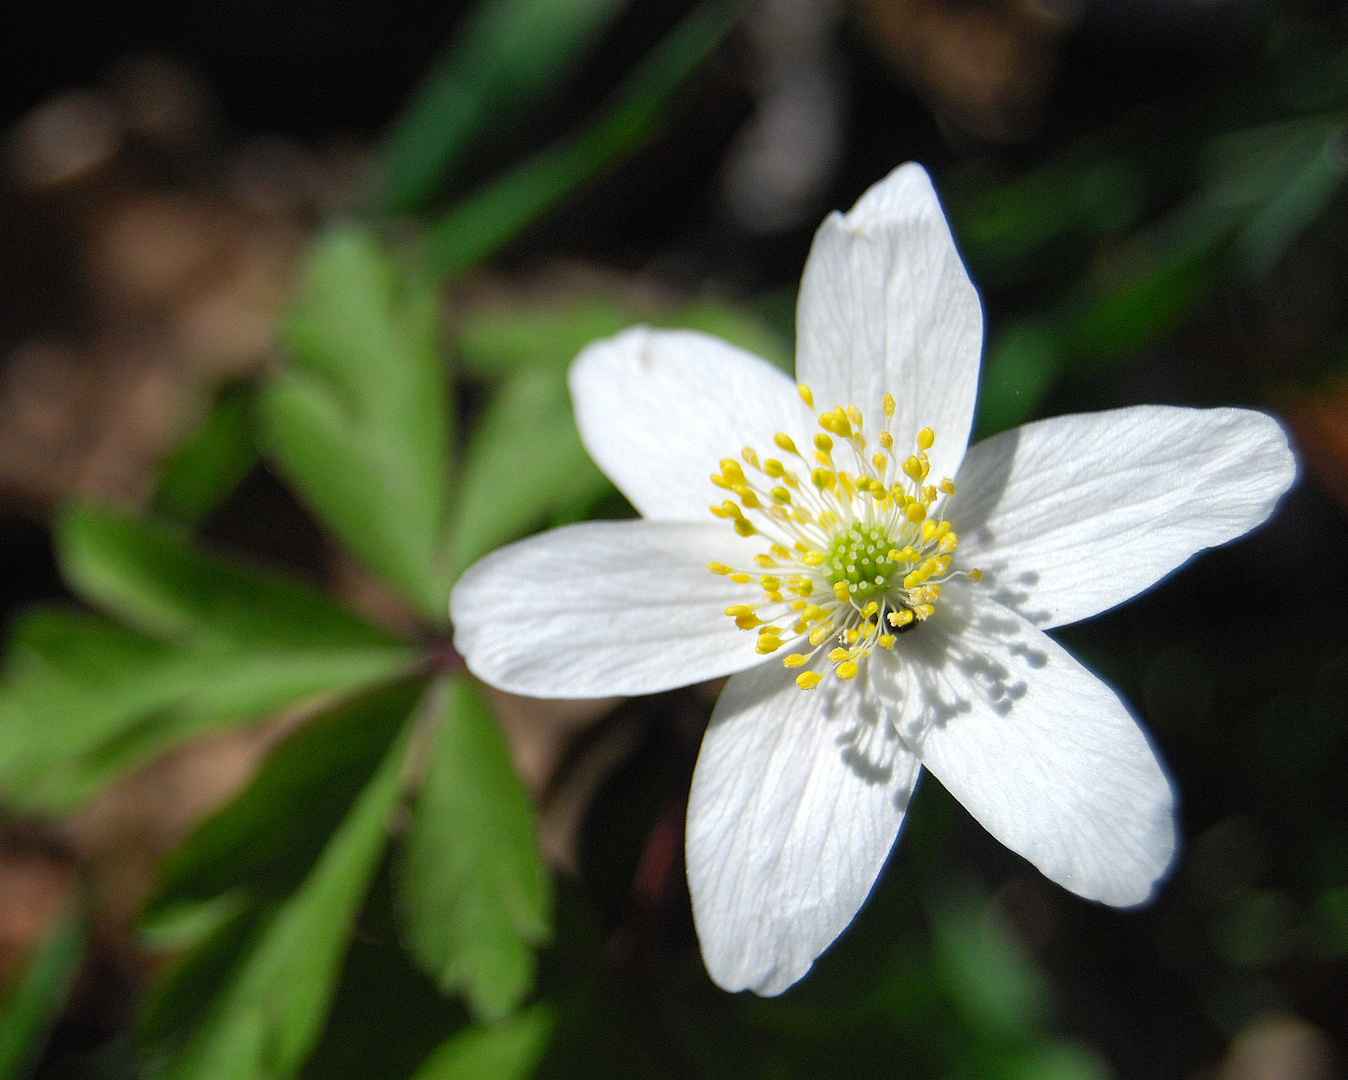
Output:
x=481 y=224
x=267 y=837
x=510 y=486
x=360 y=423
x=496 y=340
x=995 y=987
x=84 y=700
x=739 y=327
x=478 y=895
x=510 y=53
x=267 y=1020
x=30 y=1009
x=508 y=1050
x=212 y=463
x=151 y=576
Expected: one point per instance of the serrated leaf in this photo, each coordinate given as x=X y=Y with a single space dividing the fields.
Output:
x=510 y=1049
x=478 y=896
x=212 y=462
x=152 y=576
x=510 y=53
x=31 y=1007
x=267 y=1020
x=360 y=422
x=264 y=840
x=84 y=700
x=509 y=485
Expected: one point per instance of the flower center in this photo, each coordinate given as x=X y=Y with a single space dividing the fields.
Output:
x=856 y=555
x=860 y=557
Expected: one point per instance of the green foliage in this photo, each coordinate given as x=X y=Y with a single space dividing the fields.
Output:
x=212 y=462
x=29 y=1009
x=478 y=897
x=360 y=421
x=507 y=1050
x=479 y=225
x=271 y=1011
x=84 y=700
x=508 y=483
x=266 y=838
x=510 y=54
x=506 y=489
x=155 y=579
x=992 y=984
x=1253 y=191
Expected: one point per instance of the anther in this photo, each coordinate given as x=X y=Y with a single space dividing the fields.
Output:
x=785 y=442
x=750 y=455
x=848 y=670
x=794 y=660
x=823 y=443
x=808 y=680
x=926 y=438
x=888 y=404
x=842 y=592
x=806 y=394
x=719 y=569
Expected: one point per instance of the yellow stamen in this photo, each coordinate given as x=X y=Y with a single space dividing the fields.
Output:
x=808 y=680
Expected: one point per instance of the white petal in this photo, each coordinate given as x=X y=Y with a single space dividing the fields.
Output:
x=886 y=305
x=1039 y=750
x=795 y=804
x=605 y=608
x=659 y=409
x=1070 y=516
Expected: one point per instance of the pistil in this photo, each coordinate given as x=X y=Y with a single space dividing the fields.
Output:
x=854 y=555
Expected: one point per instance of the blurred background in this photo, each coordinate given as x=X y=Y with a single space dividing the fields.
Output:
x=287 y=295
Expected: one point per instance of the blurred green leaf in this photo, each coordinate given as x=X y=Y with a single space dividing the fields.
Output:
x=495 y=340
x=360 y=422
x=511 y=52
x=478 y=226
x=1256 y=928
x=993 y=985
x=507 y=1050
x=212 y=463
x=511 y=484
x=506 y=491
x=267 y=1020
x=738 y=326
x=1051 y=1059
x=153 y=577
x=478 y=896
x=85 y=700
x=31 y=1007
x=267 y=837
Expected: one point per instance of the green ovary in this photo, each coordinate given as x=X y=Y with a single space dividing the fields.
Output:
x=859 y=556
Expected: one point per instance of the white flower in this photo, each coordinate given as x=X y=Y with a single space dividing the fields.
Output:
x=844 y=547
